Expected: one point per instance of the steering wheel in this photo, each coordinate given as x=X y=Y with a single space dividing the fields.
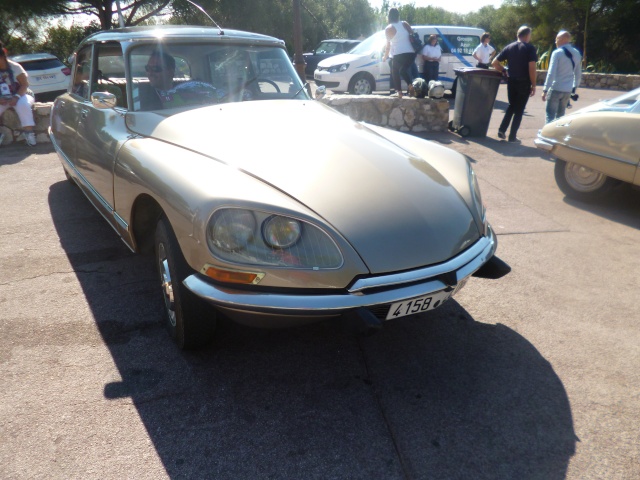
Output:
x=270 y=82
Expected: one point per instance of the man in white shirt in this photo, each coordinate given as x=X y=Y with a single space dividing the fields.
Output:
x=484 y=51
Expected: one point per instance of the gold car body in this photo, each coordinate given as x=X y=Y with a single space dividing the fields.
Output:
x=405 y=215
x=604 y=137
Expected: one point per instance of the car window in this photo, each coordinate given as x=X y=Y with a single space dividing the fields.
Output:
x=204 y=74
x=109 y=74
x=82 y=74
x=374 y=43
x=626 y=101
x=329 y=47
x=44 y=64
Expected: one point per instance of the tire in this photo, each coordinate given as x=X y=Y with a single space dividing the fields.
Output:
x=581 y=183
x=450 y=125
x=362 y=84
x=191 y=322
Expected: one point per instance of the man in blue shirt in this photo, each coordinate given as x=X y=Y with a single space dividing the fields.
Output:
x=563 y=77
x=521 y=57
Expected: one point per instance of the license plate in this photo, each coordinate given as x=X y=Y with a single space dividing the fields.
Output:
x=45 y=77
x=417 y=305
x=318 y=77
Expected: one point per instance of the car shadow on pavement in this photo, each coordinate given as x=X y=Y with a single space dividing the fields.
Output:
x=433 y=396
x=621 y=205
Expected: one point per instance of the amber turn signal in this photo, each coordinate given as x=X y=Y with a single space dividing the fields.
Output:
x=232 y=276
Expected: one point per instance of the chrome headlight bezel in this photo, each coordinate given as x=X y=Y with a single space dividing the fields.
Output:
x=301 y=245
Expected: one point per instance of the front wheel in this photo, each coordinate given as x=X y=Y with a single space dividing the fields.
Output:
x=581 y=183
x=191 y=323
x=361 y=84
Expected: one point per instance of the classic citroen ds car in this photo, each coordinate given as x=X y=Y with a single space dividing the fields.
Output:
x=596 y=147
x=190 y=141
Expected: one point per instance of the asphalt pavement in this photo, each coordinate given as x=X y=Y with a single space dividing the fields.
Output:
x=533 y=376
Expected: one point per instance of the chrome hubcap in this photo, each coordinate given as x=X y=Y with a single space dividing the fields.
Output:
x=167 y=285
x=583 y=179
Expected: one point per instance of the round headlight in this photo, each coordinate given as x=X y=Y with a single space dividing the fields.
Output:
x=281 y=232
x=232 y=229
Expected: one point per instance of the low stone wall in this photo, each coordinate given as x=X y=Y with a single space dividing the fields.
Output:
x=405 y=114
x=607 y=81
x=10 y=124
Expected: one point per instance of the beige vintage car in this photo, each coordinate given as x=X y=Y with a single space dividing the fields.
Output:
x=193 y=143
x=596 y=147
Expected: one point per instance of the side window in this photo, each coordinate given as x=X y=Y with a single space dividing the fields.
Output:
x=109 y=72
x=81 y=74
x=459 y=44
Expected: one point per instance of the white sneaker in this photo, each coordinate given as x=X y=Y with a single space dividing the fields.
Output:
x=31 y=138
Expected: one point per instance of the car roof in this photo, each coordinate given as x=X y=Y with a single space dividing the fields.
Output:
x=32 y=57
x=175 y=32
x=339 y=40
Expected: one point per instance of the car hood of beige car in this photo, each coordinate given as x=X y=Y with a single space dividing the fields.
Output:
x=394 y=207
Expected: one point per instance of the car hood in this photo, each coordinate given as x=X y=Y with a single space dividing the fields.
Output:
x=394 y=207
x=339 y=59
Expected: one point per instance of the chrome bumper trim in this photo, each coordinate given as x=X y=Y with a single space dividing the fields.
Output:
x=304 y=304
x=456 y=263
x=543 y=144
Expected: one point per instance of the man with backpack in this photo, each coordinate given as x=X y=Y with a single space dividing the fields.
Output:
x=563 y=76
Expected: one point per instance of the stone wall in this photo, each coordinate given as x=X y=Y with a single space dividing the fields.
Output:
x=607 y=81
x=10 y=124
x=405 y=114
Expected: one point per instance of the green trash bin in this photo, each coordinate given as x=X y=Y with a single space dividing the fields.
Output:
x=475 y=95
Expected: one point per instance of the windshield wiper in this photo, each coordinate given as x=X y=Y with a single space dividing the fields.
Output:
x=306 y=84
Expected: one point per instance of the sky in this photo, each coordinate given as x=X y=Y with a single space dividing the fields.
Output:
x=457 y=6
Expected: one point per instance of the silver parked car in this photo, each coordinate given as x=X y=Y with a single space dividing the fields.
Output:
x=191 y=143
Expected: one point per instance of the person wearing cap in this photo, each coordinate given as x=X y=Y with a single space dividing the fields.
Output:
x=13 y=94
x=563 y=76
x=521 y=58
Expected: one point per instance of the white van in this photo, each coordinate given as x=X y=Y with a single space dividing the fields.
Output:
x=362 y=71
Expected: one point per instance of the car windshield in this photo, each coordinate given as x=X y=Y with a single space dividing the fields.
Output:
x=191 y=75
x=374 y=43
x=329 y=47
x=629 y=101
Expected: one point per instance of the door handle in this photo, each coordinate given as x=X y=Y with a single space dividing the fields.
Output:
x=84 y=113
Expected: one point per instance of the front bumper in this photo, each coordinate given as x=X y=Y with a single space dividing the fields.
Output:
x=370 y=292
x=544 y=144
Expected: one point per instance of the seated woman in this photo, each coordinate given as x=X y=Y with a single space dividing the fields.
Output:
x=14 y=93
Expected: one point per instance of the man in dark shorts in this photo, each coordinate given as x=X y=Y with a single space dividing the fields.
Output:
x=521 y=58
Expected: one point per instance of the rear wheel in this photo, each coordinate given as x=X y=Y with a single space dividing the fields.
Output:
x=581 y=183
x=362 y=84
x=191 y=322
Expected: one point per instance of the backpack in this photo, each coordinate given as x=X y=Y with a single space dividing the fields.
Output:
x=414 y=38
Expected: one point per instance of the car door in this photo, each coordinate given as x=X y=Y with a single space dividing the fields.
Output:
x=101 y=131
x=66 y=110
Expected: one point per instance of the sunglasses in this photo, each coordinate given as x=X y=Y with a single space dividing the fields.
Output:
x=153 y=68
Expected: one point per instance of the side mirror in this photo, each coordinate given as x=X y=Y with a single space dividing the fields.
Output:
x=321 y=91
x=103 y=100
